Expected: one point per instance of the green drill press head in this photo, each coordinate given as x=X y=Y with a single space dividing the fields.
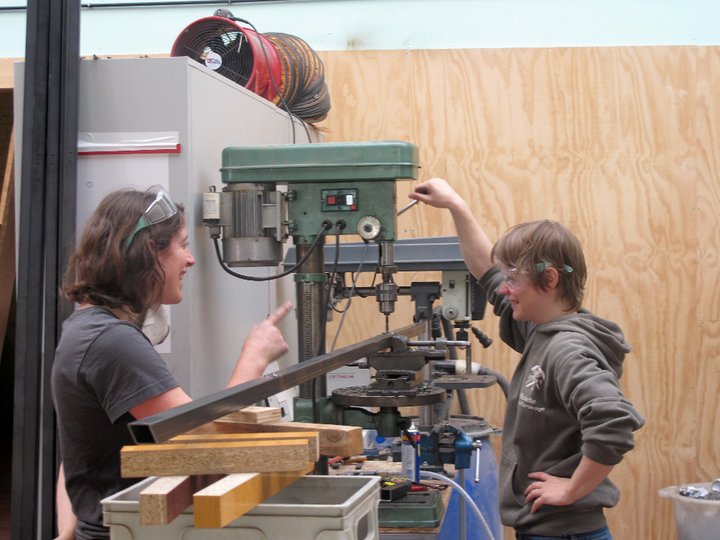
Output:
x=350 y=183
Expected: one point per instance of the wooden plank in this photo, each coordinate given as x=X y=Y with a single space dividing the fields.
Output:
x=7 y=238
x=620 y=144
x=310 y=436
x=168 y=496
x=6 y=189
x=335 y=440
x=252 y=414
x=256 y=415
x=226 y=500
x=213 y=458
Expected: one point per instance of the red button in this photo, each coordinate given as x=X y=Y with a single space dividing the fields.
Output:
x=331 y=199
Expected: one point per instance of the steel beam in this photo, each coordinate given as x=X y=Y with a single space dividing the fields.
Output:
x=46 y=227
x=411 y=255
x=162 y=426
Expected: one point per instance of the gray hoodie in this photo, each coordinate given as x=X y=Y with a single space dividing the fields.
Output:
x=564 y=402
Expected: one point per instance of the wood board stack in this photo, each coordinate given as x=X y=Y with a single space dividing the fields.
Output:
x=229 y=466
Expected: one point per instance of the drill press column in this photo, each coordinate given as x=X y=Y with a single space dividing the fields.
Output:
x=311 y=302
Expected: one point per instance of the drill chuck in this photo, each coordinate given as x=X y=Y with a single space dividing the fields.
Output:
x=386 y=295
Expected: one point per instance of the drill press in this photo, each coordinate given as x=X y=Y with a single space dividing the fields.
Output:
x=306 y=191
x=272 y=193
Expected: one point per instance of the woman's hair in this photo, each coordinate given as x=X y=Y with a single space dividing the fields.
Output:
x=105 y=271
x=531 y=247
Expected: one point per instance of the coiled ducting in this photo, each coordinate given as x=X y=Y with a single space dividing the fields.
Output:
x=282 y=68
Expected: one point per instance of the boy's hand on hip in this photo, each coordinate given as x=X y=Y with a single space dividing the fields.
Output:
x=548 y=489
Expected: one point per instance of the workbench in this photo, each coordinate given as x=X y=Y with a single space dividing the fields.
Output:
x=384 y=468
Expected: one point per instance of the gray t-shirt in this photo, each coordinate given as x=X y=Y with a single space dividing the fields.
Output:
x=103 y=367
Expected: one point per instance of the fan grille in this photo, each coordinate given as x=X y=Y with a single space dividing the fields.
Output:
x=279 y=67
x=220 y=45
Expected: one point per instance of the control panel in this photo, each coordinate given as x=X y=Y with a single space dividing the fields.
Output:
x=339 y=200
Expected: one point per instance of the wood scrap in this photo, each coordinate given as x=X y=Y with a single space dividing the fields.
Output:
x=7 y=240
x=214 y=458
x=256 y=415
x=335 y=440
x=226 y=500
x=252 y=414
x=311 y=437
x=168 y=497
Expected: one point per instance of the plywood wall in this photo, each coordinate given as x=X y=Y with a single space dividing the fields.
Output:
x=623 y=146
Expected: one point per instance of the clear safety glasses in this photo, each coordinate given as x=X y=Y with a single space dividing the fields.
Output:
x=161 y=209
x=515 y=279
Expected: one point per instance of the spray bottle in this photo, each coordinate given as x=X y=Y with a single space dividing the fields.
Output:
x=410 y=451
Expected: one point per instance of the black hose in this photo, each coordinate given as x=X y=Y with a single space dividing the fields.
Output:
x=463 y=401
x=501 y=380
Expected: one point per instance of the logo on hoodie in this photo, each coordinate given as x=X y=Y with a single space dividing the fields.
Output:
x=536 y=378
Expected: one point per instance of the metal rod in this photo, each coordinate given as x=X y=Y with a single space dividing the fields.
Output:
x=407 y=207
x=435 y=343
x=477 y=462
x=162 y=426
x=370 y=291
x=468 y=360
x=428 y=416
x=463 y=508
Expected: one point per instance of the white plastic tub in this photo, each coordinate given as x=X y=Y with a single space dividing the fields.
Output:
x=696 y=519
x=312 y=508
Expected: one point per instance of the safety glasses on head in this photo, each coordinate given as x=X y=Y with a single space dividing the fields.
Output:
x=542 y=266
x=161 y=209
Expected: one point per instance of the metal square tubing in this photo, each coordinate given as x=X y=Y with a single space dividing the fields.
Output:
x=165 y=425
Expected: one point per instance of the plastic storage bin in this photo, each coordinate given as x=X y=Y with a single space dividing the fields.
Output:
x=313 y=508
x=696 y=519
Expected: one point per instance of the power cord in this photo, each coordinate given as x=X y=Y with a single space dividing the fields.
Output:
x=320 y=235
x=227 y=14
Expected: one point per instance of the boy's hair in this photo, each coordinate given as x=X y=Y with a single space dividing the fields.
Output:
x=104 y=271
x=531 y=247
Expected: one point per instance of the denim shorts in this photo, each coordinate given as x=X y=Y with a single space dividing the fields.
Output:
x=598 y=534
